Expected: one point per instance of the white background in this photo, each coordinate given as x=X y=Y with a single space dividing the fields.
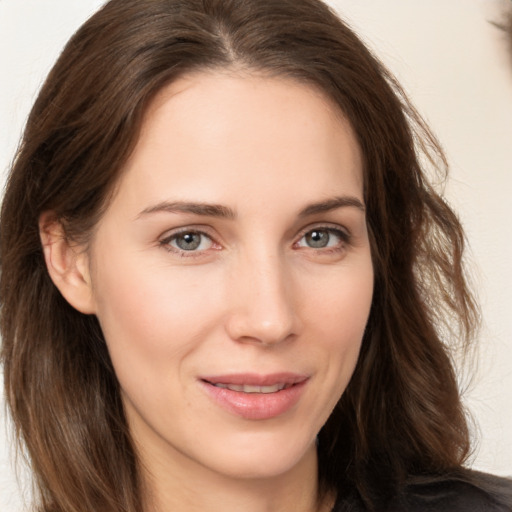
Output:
x=455 y=66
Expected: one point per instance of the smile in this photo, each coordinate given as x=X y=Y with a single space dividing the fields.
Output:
x=247 y=388
x=256 y=397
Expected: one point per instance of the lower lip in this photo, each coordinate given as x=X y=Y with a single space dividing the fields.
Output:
x=256 y=406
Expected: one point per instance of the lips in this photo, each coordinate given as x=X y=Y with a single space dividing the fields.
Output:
x=247 y=388
x=255 y=397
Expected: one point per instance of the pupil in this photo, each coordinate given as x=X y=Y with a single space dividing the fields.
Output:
x=317 y=239
x=188 y=241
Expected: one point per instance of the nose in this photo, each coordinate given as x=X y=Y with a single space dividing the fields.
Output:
x=262 y=305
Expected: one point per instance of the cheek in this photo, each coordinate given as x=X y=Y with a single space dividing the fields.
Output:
x=340 y=311
x=340 y=302
x=151 y=315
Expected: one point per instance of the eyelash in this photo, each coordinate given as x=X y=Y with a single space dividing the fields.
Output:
x=345 y=239
x=166 y=242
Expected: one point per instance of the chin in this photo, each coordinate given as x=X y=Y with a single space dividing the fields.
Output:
x=263 y=459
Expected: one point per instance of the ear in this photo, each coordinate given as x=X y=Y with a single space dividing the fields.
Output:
x=67 y=263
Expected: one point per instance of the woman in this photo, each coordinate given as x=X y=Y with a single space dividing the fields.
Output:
x=227 y=284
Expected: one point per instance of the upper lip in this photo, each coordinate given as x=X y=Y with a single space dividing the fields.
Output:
x=255 y=379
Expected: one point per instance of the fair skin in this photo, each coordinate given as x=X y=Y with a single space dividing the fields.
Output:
x=232 y=277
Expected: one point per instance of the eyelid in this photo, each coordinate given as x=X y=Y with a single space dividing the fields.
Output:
x=344 y=235
x=164 y=240
x=168 y=236
x=334 y=228
x=188 y=228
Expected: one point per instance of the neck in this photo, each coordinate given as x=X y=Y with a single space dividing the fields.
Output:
x=181 y=484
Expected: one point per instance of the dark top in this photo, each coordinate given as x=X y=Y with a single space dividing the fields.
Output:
x=477 y=493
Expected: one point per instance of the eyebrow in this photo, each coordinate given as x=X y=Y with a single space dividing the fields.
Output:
x=332 y=204
x=203 y=209
x=224 y=212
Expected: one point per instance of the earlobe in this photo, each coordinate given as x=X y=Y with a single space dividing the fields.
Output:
x=67 y=264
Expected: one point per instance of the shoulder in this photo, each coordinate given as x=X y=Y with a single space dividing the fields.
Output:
x=468 y=492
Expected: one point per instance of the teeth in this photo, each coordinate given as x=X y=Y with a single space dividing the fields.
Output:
x=246 y=388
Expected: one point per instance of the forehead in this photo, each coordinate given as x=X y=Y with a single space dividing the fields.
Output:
x=246 y=133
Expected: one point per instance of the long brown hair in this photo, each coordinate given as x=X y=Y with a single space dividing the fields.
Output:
x=401 y=415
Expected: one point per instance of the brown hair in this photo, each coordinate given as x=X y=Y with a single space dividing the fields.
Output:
x=507 y=26
x=401 y=414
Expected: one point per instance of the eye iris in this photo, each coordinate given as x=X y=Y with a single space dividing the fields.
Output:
x=188 y=241
x=317 y=239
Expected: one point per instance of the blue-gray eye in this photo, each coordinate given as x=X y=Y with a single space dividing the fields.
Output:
x=322 y=238
x=318 y=238
x=190 y=241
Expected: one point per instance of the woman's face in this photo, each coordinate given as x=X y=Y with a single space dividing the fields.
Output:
x=231 y=274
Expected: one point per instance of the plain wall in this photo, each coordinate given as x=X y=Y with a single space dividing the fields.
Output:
x=454 y=64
